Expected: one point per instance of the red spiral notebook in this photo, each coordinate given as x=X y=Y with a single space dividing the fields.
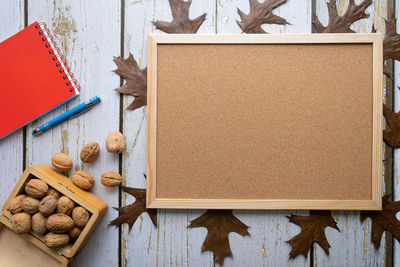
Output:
x=34 y=77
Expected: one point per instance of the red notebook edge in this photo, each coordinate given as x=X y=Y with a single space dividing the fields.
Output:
x=41 y=115
x=65 y=76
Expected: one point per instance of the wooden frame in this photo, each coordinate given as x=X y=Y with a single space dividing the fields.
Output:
x=370 y=204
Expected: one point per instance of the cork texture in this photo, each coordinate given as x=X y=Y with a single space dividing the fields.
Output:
x=264 y=121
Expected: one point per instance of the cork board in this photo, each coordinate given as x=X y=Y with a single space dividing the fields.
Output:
x=265 y=121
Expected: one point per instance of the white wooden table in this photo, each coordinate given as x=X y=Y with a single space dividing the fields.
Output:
x=90 y=34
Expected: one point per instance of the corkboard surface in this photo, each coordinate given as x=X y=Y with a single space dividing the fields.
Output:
x=264 y=121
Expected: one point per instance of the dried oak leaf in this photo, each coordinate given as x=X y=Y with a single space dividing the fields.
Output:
x=384 y=220
x=387 y=71
x=260 y=13
x=391 y=42
x=136 y=80
x=312 y=230
x=392 y=136
x=341 y=24
x=130 y=213
x=180 y=19
x=219 y=224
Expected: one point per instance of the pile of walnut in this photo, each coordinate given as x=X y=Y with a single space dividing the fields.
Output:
x=47 y=213
x=115 y=143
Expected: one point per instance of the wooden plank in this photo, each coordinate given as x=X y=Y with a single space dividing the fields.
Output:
x=151 y=159
x=11 y=147
x=396 y=155
x=171 y=243
x=353 y=246
x=88 y=33
x=269 y=229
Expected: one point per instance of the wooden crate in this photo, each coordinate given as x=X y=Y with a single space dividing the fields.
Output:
x=59 y=182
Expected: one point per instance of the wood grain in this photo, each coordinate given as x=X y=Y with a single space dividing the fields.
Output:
x=88 y=34
x=11 y=147
x=170 y=244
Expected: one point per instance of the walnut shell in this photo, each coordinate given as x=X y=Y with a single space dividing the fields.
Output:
x=47 y=205
x=56 y=240
x=65 y=205
x=115 y=142
x=59 y=223
x=54 y=193
x=74 y=233
x=89 y=152
x=61 y=161
x=21 y=223
x=83 y=180
x=39 y=224
x=30 y=205
x=36 y=188
x=15 y=205
x=111 y=179
x=80 y=216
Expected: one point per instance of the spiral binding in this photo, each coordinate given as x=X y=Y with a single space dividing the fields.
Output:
x=57 y=57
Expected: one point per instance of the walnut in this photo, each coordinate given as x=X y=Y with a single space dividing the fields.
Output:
x=74 y=233
x=47 y=205
x=36 y=188
x=115 y=142
x=54 y=193
x=56 y=240
x=15 y=205
x=83 y=180
x=39 y=224
x=89 y=152
x=111 y=179
x=30 y=205
x=21 y=222
x=80 y=216
x=59 y=223
x=65 y=205
x=61 y=161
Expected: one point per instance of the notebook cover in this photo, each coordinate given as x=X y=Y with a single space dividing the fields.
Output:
x=31 y=83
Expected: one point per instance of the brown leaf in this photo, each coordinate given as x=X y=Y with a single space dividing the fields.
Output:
x=387 y=71
x=130 y=213
x=384 y=220
x=392 y=136
x=341 y=24
x=180 y=19
x=219 y=224
x=136 y=80
x=260 y=13
x=312 y=230
x=391 y=42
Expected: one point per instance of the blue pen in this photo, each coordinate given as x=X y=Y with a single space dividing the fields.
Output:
x=72 y=112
